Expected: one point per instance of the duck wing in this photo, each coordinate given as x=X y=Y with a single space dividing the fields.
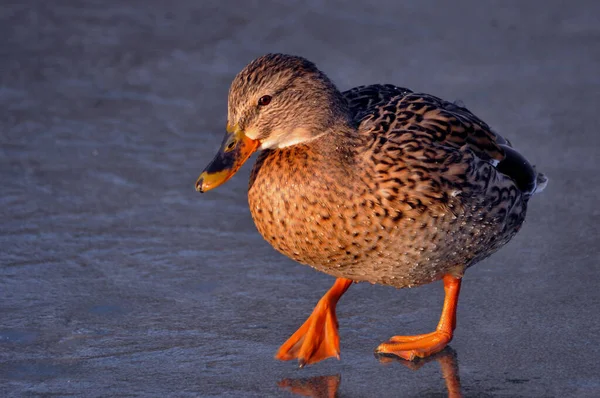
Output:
x=363 y=100
x=429 y=130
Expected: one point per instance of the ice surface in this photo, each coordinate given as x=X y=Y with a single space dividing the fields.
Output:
x=117 y=278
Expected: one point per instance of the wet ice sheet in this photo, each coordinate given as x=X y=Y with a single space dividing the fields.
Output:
x=116 y=277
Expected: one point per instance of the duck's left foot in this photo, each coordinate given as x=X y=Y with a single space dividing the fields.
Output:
x=410 y=347
x=424 y=345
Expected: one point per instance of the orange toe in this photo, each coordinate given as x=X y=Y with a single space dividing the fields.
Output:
x=317 y=338
x=410 y=347
x=404 y=339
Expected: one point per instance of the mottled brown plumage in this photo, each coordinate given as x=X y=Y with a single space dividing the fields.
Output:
x=375 y=184
x=405 y=194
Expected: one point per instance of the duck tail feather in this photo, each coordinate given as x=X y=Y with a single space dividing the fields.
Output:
x=541 y=181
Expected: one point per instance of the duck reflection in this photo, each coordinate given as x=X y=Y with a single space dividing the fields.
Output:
x=448 y=361
x=327 y=386
x=319 y=386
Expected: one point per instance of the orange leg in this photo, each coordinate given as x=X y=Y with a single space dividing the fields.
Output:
x=409 y=347
x=317 y=338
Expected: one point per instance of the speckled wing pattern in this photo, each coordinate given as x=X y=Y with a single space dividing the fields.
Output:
x=427 y=155
x=398 y=110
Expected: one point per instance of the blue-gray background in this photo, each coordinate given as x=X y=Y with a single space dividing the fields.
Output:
x=117 y=278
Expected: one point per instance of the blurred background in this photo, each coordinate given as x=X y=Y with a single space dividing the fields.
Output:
x=117 y=278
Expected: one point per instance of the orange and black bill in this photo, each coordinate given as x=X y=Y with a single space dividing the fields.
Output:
x=235 y=149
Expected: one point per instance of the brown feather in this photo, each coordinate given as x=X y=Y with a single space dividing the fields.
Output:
x=400 y=189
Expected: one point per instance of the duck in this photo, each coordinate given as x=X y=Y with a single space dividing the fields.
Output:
x=375 y=184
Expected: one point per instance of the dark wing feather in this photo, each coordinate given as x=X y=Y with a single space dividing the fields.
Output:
x=386 y=112
x=363 y=100
x=451 y=125
x=482 y=140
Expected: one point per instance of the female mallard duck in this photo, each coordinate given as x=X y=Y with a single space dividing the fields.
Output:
x=375 y=184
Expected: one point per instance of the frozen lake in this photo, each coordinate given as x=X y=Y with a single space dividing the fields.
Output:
x=118 y=278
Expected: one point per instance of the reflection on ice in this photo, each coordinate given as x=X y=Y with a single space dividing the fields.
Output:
x=327 y=386
x=448 y=361
x=319 y=386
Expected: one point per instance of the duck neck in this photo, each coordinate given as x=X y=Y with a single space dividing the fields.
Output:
x=337 y=146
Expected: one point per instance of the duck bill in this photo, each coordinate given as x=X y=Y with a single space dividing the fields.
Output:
x=235 y=149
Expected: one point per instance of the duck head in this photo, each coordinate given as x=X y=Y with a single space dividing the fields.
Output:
x=276 y=101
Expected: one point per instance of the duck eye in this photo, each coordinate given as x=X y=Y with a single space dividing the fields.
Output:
x=264 y=100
